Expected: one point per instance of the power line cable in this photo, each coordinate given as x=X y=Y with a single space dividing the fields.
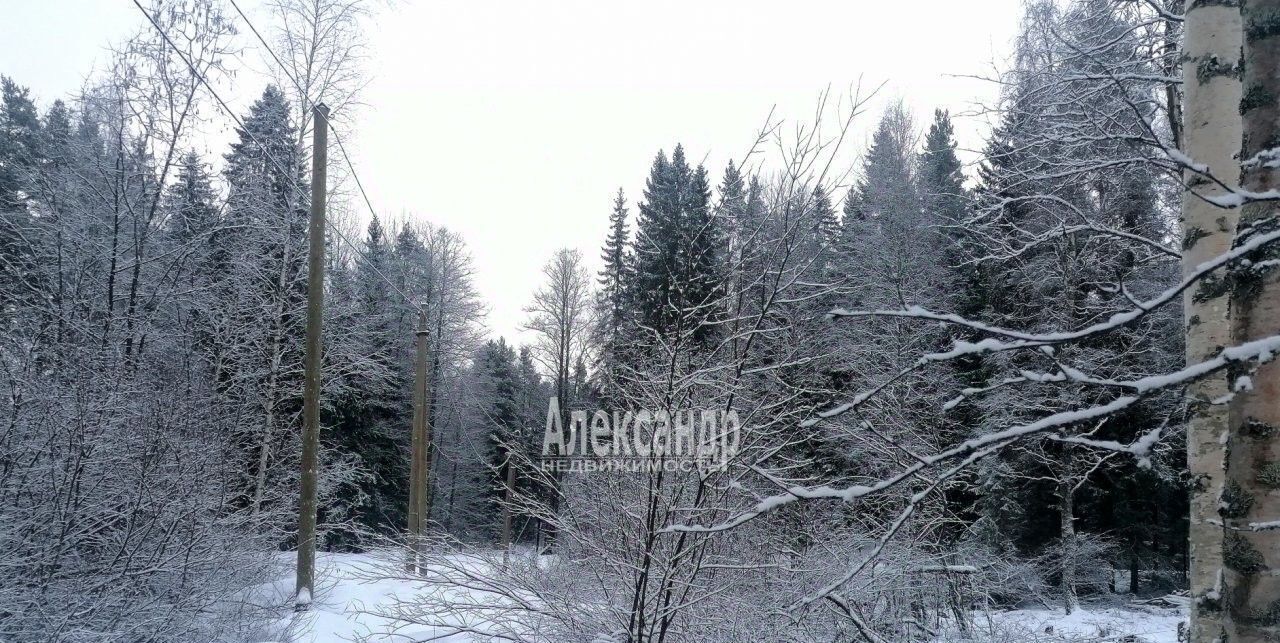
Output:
x=306 y=99
x=279 y=166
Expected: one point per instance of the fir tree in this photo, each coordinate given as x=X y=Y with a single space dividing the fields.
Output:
x=942 y=181
x=365 y=425
x=883 y=225
x=376 y=301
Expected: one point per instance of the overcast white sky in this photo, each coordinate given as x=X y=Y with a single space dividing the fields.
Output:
x=514 y=122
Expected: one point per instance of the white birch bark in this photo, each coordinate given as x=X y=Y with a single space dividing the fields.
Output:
x=1211 y=132
x=1251 y=554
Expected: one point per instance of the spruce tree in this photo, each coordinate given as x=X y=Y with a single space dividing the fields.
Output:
x=58 y=134
x=883 y=226
x=20 y=148
x=260 y=299
x=377 y=303
x=614 y=275
x=820 y=235
x=824 y=225
x=655 y=247
x=612 y=299
x=366 y=423
x=191 y=201
x=886 y=188
x=503 y=412
x=733 y=199
x=731 y=212
x=679 y=250
x=191 y=211
x=945 y=202
x=707 y=243
x=20 y=135
x=264 y=166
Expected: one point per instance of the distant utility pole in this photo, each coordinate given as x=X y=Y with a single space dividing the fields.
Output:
x=420 y=443
x=305 y=589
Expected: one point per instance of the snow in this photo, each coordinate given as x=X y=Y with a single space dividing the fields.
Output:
x=348 y=598
x=1268 y=158
x=1090 y=624
x=1237 y=198
x=1186 y=161
x=1265 y=525
x=350 y=593
x=951 y=569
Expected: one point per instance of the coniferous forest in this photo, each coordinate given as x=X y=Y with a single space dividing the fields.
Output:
x=972 y=390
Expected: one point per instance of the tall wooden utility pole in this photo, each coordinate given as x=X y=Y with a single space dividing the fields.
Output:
x=311 y=388
x=420 y=462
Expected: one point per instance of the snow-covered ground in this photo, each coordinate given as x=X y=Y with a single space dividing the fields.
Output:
x=348 y=599
x=1090 y=624
x=350 y=596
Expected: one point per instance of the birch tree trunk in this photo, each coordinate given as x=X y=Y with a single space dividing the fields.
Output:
x=1211 y=129
x=1251 y=558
